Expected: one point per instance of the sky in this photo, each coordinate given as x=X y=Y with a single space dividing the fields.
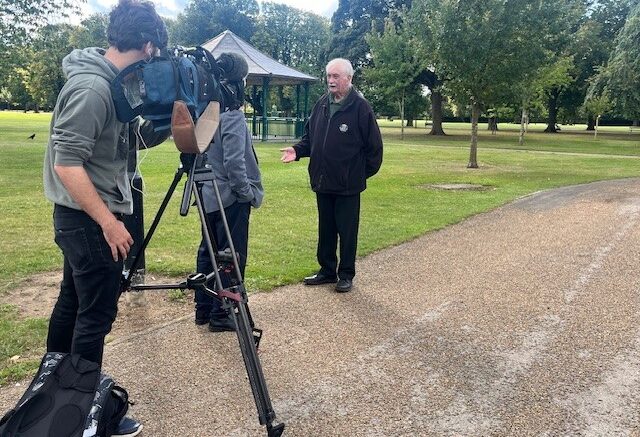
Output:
x=171 y=8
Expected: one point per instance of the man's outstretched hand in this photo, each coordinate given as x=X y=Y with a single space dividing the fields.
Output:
x=288 y=154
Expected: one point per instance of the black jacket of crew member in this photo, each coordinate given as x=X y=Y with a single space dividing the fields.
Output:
x=344 y=149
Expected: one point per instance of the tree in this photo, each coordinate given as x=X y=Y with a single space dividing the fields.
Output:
x=562 y=20
x=483 y=49
x=351 y=22
x=92 y=32
x=292 y=36
x=19 y=94
x=596 y=106
x=395 y=65
x=20 y=19
x=42 y=75
x=204 y=19
x=620 y=79
x=532 y=88
x=417 y=19
x=591 y=47
x=6 y=97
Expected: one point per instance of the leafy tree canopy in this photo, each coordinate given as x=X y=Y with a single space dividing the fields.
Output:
x=92 y=32
x=20 y=20
x=620 y=79
x=42 y=75
x=204 y=19
x=351 y=22
x=292 y=36
x=395 y=65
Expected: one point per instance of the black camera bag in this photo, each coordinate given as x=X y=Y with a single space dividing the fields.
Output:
x=68 y=397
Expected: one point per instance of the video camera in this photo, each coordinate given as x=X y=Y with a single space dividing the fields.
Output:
x=191 y=75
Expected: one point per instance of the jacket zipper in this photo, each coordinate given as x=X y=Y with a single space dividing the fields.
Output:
x=324 y=143
x=326 y=133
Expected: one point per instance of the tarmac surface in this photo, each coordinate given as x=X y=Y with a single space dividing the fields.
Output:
x=521 y=321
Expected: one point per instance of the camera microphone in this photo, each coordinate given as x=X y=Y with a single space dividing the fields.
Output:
x=235 y=67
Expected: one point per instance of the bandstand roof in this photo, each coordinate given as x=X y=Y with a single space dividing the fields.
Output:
x=260 y=65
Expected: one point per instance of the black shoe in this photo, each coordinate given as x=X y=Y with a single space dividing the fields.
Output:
x=202 y=317
x=344 y=285
x=128 y=427
x=320 y=278
x=222 y=324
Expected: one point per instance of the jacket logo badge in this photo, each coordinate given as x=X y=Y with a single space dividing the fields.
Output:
x=343 y=128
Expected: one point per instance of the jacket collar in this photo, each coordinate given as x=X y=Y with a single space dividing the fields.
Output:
x=346 y=102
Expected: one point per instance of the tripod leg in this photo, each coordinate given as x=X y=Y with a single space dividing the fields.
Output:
x=266 y=414
x=208 y=235
x=126 y=283
x=240 y=315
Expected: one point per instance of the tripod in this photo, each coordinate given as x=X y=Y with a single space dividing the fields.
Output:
x=234 y=298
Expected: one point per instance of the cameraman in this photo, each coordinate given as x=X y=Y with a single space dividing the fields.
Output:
x=235 y=166
x=85 y=176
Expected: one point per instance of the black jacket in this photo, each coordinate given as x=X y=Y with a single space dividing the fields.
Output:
x=345 y=149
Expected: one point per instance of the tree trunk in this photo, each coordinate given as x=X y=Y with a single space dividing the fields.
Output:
x=409 y=122
x=473 y=152
x=595 y=133
x=523 y=125
x=591 y=123
x=552 y=104
x=436 y=113
x=492 y=125
x=402 y=116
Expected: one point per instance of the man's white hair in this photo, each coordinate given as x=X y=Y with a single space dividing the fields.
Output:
x=346 y=66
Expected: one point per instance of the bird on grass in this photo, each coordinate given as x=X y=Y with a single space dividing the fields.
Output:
x=31 y=137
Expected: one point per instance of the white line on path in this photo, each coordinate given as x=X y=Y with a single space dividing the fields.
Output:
x=474 y=413
x=631 y=211
x=366 y=370
x=612 y=407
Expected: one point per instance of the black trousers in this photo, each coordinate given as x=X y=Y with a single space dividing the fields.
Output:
x=238 y=220
x=338 y=216
x=90 y=287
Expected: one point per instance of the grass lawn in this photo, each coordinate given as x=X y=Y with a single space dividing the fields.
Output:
x=395 y=208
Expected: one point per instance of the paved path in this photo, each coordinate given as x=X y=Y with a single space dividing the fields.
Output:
x=521 y=321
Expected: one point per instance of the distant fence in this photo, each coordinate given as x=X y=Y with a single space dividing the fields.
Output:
x=277 y=128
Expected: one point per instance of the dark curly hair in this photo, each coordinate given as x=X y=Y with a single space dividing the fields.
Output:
x=133 y=23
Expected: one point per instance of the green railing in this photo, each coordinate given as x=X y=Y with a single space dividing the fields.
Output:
x=277 y=128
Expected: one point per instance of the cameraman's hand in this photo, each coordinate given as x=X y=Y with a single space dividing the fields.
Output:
x=288 y=154
x=118 y=238
x=77 y=182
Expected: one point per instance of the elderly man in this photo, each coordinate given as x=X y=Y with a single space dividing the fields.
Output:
x=343 y=142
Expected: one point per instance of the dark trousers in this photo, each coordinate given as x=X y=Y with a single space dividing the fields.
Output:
x=238 y=219
x=338 y=216
x=90 y=288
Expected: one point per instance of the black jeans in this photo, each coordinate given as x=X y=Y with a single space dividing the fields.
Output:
x=238 y=220
x=90 y=288
x=338 y=216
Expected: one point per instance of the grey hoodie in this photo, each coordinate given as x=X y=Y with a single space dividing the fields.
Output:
x=85 y=132
x=234 y=164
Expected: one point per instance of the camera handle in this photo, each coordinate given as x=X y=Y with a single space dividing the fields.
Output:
x=234 y=298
